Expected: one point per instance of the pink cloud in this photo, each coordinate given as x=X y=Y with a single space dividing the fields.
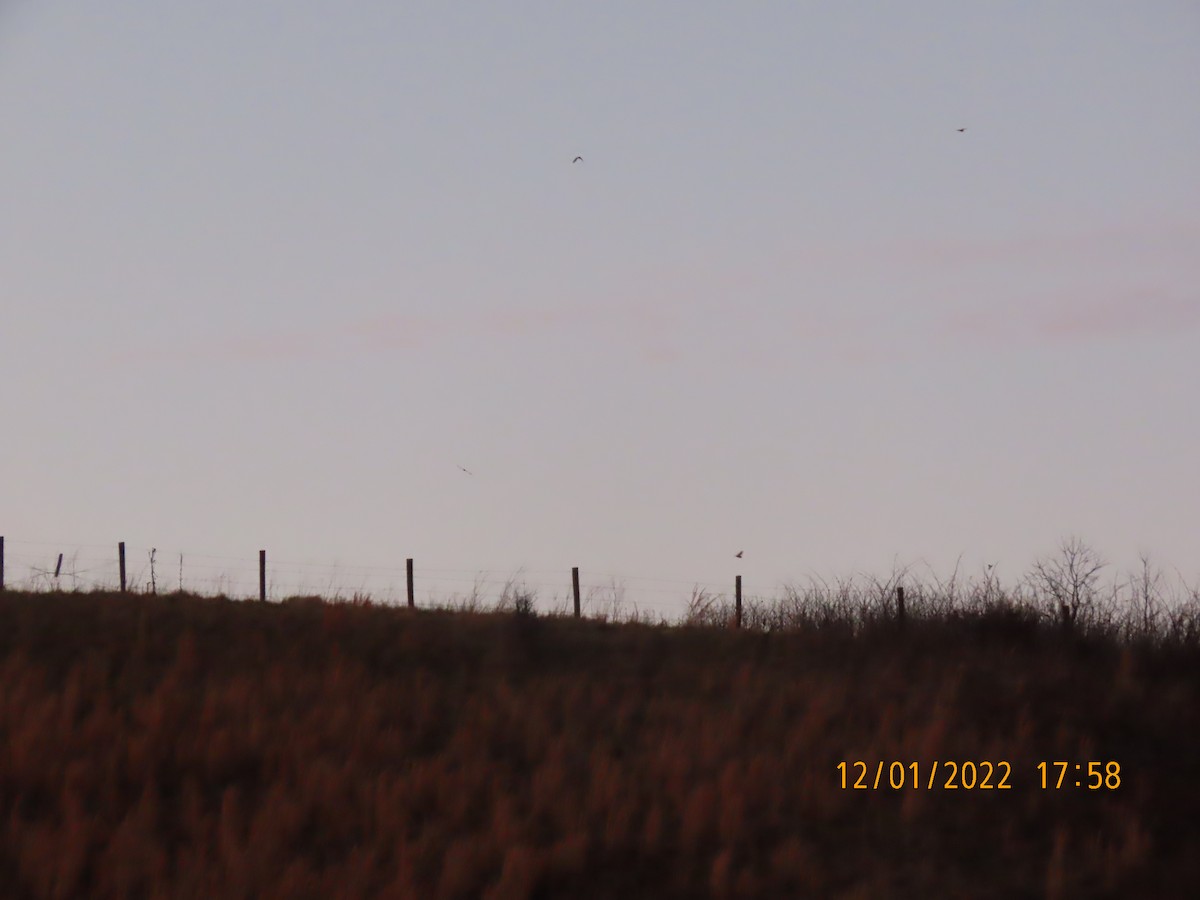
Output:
x=264 y=346
x=1133 y=314
x=524 y=321
x=645 y=324
x=389 y=331
x=1076 y=318
x=1175 y=240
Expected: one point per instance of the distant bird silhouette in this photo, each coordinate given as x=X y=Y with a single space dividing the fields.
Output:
x=577 y=159
x=463 y=468
x=961 y=130
x=739 y=554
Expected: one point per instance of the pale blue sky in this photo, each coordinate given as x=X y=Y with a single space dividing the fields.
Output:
x=269 y=272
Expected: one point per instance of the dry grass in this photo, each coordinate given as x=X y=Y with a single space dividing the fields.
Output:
x=186 y=747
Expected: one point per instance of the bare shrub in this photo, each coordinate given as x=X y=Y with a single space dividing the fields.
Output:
x=1145 y=607
x=1067 y=582
x=605 y=602
x=517 y=598
x=701 y=607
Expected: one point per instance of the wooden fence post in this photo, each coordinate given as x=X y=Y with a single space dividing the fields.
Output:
x=737 y=590
x=412 y=603
x=262 y=575
x=121 y=562
x=900 y=607
x=58 y=567
x=575 y=587
x=1 y=562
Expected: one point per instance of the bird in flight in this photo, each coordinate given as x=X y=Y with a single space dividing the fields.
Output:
x=465 y=469
x=961 y=130
x=739 y=554
x=577 y=159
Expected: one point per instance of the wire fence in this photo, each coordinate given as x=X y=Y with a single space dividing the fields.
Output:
x=1143 y=602
x=49 y=566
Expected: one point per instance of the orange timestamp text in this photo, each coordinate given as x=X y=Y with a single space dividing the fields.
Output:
x=968 y=775
x=1093 y=776
x=946 y=775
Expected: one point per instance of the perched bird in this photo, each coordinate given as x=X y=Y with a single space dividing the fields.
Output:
x=465 y=469
x=577 y=159
x=739 y=554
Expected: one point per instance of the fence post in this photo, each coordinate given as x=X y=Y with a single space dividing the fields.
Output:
x=737 y=591
x=121 y=561
x=900 y=606
x=1 y=562
x=575 y=587
x=262 y=575
x=58 y=568
x=412 y=603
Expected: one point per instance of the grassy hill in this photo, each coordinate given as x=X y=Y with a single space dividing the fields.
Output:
x=178 y=746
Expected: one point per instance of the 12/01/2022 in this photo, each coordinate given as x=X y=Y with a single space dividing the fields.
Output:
x=937 y=775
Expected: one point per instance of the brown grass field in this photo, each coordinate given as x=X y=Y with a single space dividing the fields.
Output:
x=177 y=746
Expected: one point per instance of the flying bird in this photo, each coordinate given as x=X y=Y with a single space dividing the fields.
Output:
x=961 y=130
x=577 y=159
x=739 y=554
x=465 y=469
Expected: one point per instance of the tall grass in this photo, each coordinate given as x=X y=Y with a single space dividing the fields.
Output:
x=178 y=746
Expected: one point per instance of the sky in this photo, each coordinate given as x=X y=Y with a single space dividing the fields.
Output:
x=272 y=272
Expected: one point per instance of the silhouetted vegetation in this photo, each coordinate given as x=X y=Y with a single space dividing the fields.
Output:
x=178 y=746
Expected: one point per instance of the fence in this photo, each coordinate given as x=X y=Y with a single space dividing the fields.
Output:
x=115 y=566
x=1133 y=607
